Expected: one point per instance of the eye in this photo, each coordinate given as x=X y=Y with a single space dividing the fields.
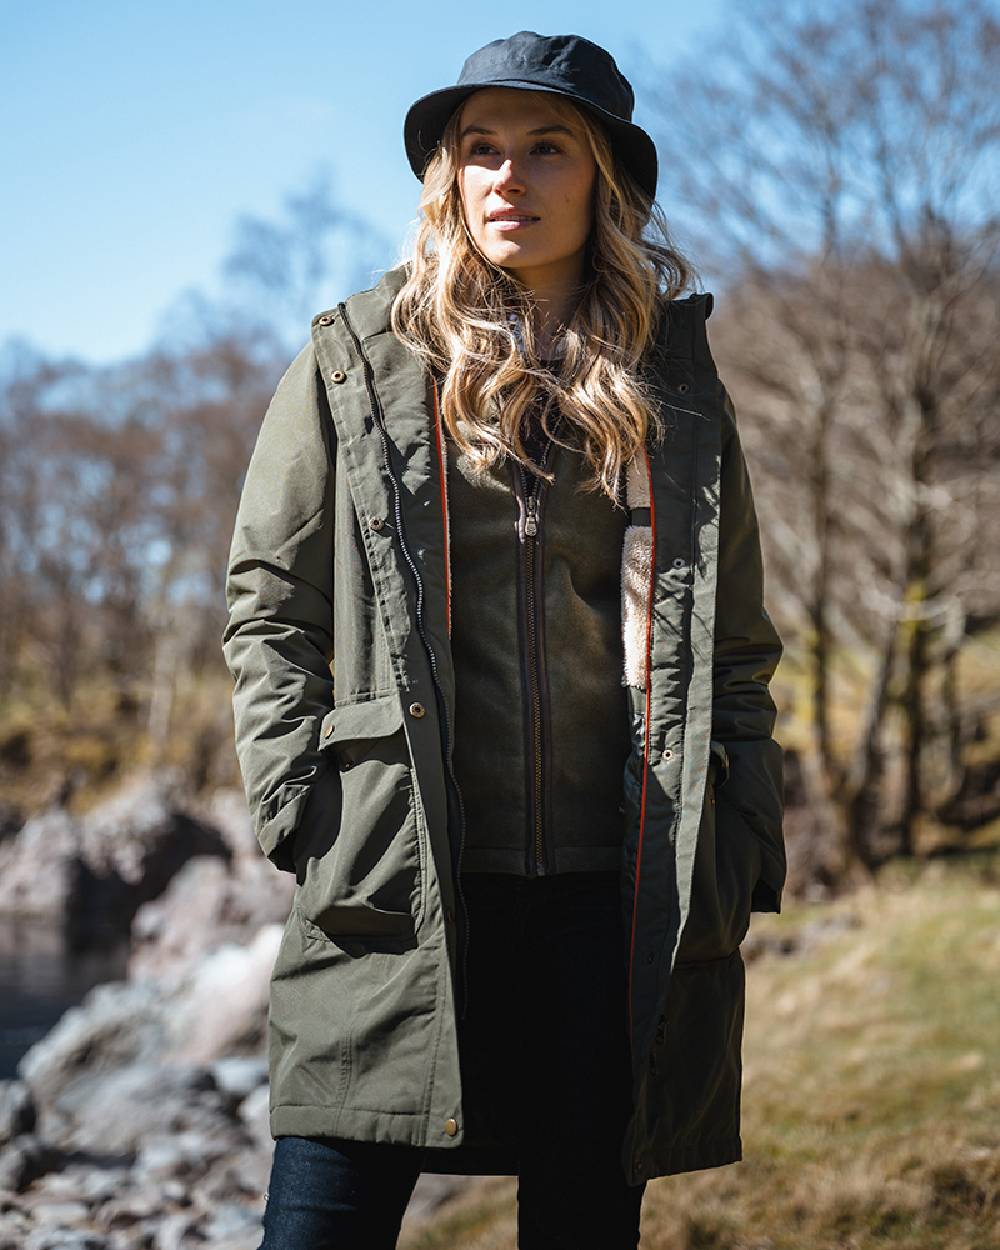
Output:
x=481 y=143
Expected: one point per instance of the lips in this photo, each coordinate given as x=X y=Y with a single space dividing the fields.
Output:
x=511 y=215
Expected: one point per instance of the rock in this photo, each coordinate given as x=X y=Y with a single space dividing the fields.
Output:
x=221 y=1008
x=117 y=1052
x=11 y=819
x=207 y=904
x=37 y=864
x=255 y=1112
x=130 y=848
x=17 y=1110
x=123 y=1109
x=65 y=1239
x=181 y=1155
x=240 y=1075
x=232 y=1220
x=14 y=1228
x=88 y=1181
x=227 y=1181
x=226 y=810
x=59 y=1212
x=179 y=1232
x=115 y=1025
x=130 y=1210
x=92 y=875
x=217 y=1008
x=23 y=1160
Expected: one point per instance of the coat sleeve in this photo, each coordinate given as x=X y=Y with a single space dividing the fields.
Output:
x=747 y=651
x=278 y=642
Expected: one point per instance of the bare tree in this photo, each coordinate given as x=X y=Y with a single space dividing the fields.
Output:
x=284 y=269
x=838 y=171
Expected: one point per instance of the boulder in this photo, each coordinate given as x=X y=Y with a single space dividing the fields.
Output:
x=208 y=903
x=92 y=874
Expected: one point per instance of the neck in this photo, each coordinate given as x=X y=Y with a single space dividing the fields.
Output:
x=555 y=296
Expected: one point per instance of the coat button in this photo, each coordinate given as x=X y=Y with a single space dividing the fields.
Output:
x=325 y=320
x=417 y=709
x=451 y=1127
x=338 y=375
x=375 y=523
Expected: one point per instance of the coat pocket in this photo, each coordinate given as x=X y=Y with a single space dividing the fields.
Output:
x=727 y=866
x=361 y=871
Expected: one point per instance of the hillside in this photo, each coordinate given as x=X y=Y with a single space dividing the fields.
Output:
x=872 y=1084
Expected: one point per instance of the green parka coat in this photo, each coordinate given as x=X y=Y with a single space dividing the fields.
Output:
x=339 y=550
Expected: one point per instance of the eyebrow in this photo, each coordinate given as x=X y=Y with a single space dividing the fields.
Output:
x=540 y=130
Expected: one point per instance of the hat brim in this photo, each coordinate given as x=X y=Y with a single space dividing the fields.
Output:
x=427 y=117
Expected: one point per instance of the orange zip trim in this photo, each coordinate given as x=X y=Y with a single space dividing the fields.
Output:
x=645 y=745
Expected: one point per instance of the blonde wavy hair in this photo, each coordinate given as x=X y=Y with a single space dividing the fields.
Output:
x=455 y=311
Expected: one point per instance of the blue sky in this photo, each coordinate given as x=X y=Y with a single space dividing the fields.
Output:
x=134 y=134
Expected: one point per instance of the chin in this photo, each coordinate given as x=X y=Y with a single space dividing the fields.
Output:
x=515 y=258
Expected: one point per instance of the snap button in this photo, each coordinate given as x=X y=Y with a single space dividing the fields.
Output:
x=417 y=709
x=451 y=1127
x=325 y=320
x=678 y=563
x=375 y=523
x=338 y=375
x=667 y=753
x=682 y=388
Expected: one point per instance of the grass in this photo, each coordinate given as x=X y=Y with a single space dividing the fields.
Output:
x=871 y=1113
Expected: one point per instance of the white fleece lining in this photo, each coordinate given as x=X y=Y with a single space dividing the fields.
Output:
x=637 y=551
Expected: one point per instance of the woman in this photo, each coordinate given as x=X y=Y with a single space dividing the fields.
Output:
x=503 y=493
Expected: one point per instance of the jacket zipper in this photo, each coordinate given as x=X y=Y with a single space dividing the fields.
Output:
x=378 y=416
x=530 y=504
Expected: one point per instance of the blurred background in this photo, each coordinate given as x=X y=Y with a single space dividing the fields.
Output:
x=186 y=185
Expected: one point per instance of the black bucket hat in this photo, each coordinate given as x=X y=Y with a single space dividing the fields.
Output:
x=568 y=65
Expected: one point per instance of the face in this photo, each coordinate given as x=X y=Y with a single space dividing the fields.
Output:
x=520 y=158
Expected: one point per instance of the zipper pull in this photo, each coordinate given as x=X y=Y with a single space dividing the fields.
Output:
x=531 y=521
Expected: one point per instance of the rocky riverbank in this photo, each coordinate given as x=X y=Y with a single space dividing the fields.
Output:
x=140 y=1121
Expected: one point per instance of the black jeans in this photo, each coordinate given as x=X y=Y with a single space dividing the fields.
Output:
x=545 y=1066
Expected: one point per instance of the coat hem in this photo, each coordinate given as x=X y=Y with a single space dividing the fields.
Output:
x=401 y=1128
x=711 y=1152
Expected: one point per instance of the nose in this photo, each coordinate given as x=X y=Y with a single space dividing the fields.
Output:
x=505 y=176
